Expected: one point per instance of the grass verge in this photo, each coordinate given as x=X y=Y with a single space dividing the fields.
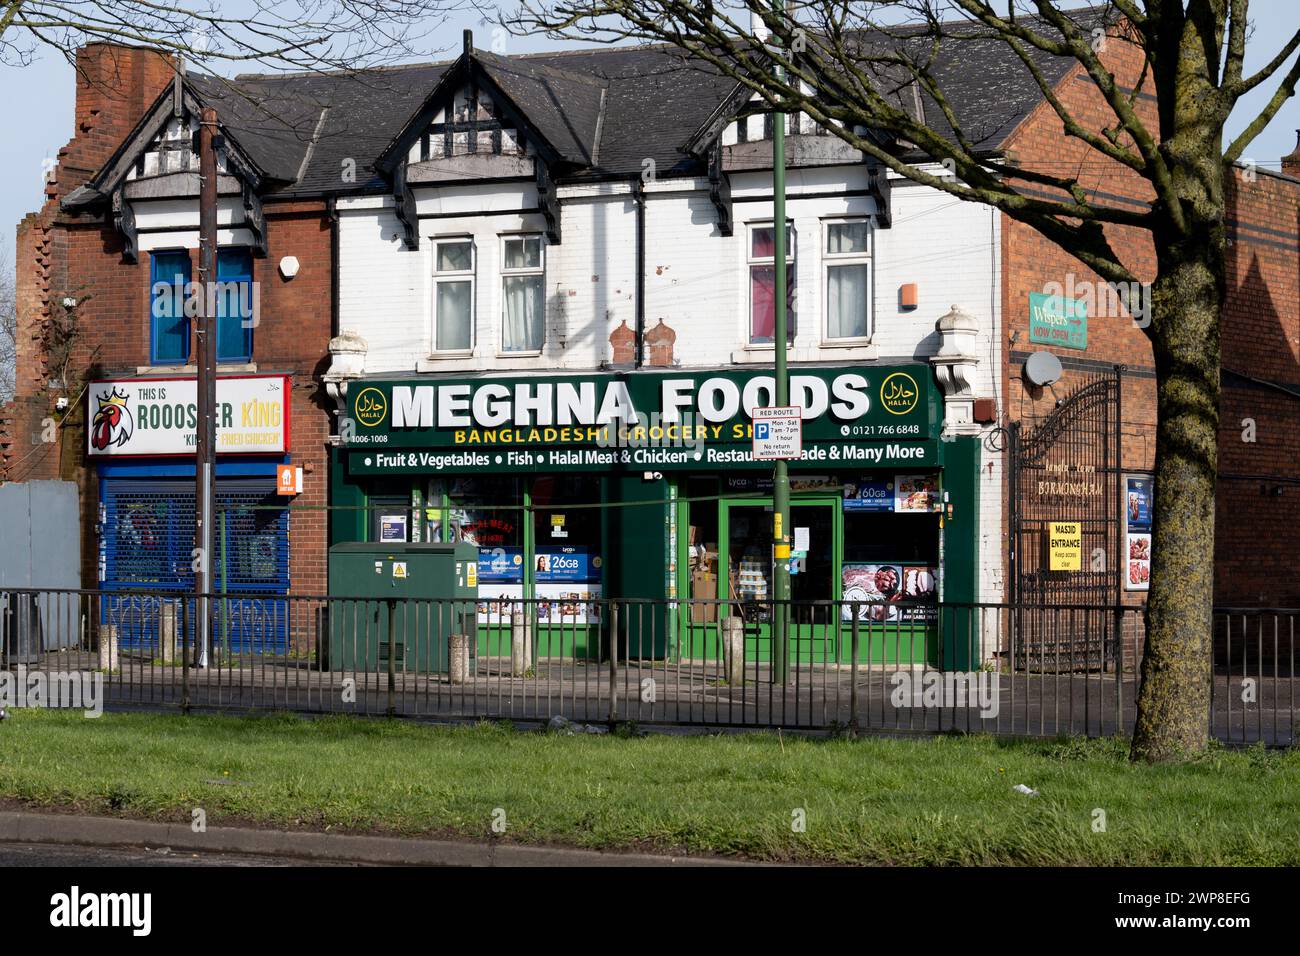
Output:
x=937 y=801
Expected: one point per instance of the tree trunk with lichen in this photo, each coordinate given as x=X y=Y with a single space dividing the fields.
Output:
x=1173 y=706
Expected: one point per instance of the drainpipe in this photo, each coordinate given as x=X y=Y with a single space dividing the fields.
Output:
x=638 y=196
x=332 y=211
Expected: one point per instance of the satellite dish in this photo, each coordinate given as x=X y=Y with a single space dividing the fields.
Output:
x=1043 y=368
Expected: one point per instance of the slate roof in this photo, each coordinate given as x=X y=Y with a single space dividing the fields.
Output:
x=604 y=110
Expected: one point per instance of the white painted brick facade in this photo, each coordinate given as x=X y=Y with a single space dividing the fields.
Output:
x=696 y=282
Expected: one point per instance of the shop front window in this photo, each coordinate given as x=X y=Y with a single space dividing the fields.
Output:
x=480 y=514
x=891 y=547
x=567 y=563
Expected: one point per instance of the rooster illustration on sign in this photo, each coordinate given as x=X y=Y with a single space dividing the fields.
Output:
x=112 y=424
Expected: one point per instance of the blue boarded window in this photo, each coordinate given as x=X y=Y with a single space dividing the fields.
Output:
x=169 y=336
x=234 y=305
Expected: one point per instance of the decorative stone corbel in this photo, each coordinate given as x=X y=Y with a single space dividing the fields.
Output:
x=347 y=363
x=954 y=366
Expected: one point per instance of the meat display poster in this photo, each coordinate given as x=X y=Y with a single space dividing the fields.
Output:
x=1138 y=503
x=883 y=587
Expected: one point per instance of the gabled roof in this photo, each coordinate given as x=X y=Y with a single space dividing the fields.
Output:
x=602 y=111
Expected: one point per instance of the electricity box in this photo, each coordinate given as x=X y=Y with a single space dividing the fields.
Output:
x=401 y=601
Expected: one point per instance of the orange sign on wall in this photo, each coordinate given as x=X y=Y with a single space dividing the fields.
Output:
x=288 y=480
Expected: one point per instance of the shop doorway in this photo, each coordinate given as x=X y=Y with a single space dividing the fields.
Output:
x=745 y=573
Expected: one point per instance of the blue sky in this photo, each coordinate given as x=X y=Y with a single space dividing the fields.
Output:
x=36 y=114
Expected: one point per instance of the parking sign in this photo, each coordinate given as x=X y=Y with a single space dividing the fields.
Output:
x=778 y=433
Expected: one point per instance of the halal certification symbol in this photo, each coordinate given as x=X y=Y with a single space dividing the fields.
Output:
x=372 y=407
x=899 y=393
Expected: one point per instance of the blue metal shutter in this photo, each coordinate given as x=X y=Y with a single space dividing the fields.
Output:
x=147 y=544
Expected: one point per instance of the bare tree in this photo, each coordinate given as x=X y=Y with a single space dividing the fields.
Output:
x=296 y=34
x=844 y=64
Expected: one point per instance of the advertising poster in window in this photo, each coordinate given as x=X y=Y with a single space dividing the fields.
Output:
x=884 y=589
x=496 y=602
x=869 y=495
x=500 y=566
x=392 y=527
x=1138 y=502
x=568 y=585
x=916 y=493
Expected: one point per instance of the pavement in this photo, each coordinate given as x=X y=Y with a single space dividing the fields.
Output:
x=55 y=839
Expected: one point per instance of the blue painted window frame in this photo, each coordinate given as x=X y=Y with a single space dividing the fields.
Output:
x=169 y=327
x=234 y=336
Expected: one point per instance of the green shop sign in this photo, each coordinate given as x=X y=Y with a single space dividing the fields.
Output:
x=854 y=417
x=1056 y=320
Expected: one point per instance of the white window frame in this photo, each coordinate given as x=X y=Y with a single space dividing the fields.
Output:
x=751 y=261
x=831 y=260
x=538 y=270
x=458 y=276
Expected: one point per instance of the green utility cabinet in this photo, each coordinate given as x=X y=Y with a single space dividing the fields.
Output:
x=401 y=601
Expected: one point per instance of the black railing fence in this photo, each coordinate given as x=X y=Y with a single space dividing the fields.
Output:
x=891 y=667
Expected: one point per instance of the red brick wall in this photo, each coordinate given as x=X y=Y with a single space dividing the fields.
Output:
x=292 y=338
x=1031 y=262
x=1257 y=531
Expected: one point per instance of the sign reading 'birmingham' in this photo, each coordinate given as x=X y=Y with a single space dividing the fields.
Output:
x=861 y=416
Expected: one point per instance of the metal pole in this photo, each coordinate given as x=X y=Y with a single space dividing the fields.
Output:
x=613 y=663
x=206 y=434
x=781 y=474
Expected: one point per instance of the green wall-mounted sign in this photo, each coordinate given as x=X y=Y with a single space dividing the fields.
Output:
x=1056 y=320
x=858 y=417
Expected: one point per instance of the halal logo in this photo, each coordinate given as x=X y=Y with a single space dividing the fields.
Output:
x=112 y=424
x=899 y=393
x=372 y=407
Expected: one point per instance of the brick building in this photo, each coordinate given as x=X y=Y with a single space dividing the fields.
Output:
x=121 y=214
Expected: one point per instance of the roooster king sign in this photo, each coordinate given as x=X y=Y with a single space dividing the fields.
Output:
x=159 y=416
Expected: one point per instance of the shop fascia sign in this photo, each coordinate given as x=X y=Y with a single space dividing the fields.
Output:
x=713 y=407
x=159 y=416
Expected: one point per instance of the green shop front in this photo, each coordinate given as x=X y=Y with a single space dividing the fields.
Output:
x=640 y=489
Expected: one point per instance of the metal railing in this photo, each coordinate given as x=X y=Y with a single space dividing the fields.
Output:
x=893 y=667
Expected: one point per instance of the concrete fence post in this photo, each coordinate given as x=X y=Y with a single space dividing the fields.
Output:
x=458 y=651
x=108 y=647
x=733 y=647
x=167 y=631
x=521 y=643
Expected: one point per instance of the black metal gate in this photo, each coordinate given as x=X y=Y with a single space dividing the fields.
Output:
x=1066 y=469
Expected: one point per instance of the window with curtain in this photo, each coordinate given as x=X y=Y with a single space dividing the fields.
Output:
x=762 y=284
x=235 y=318
x=521 y=291
x=169 y=329
x=453 y=295
x=848 y=279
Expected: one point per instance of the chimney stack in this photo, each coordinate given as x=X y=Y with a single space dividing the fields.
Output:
x=115 y=85
x=1291 y=162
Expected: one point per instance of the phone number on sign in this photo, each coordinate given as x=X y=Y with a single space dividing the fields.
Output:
x=868 y=431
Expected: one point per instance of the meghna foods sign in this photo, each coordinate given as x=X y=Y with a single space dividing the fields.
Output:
x=159 y=416
x=862 y=416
